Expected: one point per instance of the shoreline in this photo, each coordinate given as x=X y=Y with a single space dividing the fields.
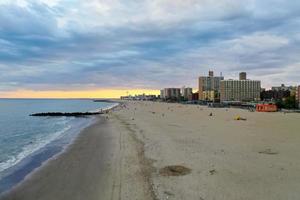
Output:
x=47 y=163
x=132 y=152
x=18 y=173
x=100 y=163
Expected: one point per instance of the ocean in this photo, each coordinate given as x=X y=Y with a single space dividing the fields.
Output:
x=26 y=141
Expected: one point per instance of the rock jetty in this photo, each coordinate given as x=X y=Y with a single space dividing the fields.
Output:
x=60 y=114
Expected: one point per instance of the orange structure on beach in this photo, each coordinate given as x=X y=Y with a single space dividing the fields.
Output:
x=266 y=108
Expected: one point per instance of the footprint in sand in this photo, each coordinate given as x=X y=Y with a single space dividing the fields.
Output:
x=268 y=152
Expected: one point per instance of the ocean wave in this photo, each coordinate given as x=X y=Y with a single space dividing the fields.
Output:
x=105 y=108
x=32 y=148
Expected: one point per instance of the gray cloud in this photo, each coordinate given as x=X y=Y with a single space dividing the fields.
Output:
x=147 y=44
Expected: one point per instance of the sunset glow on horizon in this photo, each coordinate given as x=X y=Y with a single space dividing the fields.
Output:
x=101 y=93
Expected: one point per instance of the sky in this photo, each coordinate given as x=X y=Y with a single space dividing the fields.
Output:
x=106 y=48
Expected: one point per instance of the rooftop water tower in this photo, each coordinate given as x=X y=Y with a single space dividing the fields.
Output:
x=243 y=76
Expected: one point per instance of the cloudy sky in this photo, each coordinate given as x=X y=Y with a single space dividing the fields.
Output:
x=115 y=45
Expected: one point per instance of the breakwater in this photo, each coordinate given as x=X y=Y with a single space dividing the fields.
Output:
x=60 y=114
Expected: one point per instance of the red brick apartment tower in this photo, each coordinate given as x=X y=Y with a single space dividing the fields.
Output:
x=298 y=96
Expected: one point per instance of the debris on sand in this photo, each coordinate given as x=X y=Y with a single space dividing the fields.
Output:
x=212 y=172
x=239 y=118
x=175 y=170
x=268 y=152
x=168 y=193
x=210 y=114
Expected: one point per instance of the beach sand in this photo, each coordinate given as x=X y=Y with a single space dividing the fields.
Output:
x=102 y=163
x=122 y=157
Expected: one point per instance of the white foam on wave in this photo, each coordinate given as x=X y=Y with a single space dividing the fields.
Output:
x=32 y=148
x=105 y=108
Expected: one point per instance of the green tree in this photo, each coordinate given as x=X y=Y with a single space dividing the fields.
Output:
x=279 y=103
x=290 y=102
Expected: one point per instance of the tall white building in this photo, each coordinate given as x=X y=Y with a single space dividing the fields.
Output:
x=186 y=92
x=162 y=94
x=240 y=90
x=170 y=94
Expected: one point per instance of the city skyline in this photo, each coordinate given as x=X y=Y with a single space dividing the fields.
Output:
x=60 y=48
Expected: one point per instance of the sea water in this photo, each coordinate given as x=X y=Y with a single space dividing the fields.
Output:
x=26 y=141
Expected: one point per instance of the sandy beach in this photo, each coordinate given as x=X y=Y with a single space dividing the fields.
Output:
x=124 y=155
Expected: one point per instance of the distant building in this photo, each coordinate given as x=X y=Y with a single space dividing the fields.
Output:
x=186 y=92
x=126 y=97
x=273 y=95
x=139 y=97
x=170 y=94
x=240 y=90
x=298 y=96
x=209 y=95
x=243 y=76
x=162 y=94
x=144 y=97
x=209 y=83
x=284 y=88
x=293 y=90
x=194 y=96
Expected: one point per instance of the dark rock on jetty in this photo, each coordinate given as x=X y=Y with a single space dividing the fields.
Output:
x=104 y=100
x=59 y=114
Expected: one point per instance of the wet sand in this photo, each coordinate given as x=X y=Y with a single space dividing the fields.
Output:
x=124 y=157
x=103 y=163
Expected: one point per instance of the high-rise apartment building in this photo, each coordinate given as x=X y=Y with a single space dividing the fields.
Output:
x=186 y=92
x=209 y=95
x=298 y=96
x=170 y=94
x=209 y=83
x=240 y=90
x=162 y=94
